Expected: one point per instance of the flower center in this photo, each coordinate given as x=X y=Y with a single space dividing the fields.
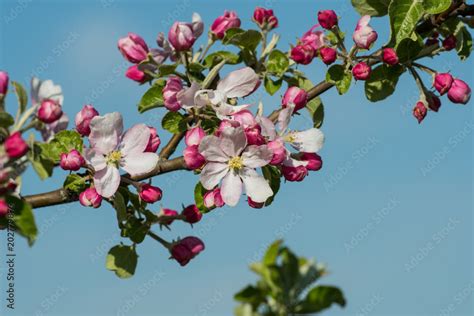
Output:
x=236 y=163
x=114 y=157
x=290 y=138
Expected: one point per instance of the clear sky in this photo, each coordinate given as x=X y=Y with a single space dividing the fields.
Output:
x=390 y=213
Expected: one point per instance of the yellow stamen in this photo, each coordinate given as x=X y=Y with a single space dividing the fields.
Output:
x=236 y=163
x=114 y=158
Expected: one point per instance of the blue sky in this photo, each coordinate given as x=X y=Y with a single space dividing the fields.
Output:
x=390 y=213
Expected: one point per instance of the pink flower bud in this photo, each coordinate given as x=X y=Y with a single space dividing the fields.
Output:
x=181 y=36
x=389 y=56
x=279 y=152
x=434 y=103
x=224 y=124
x=315 y=39
x=3 y=208
x=314 y=161
x=223 y=23
x=449 y=42
x=254 y=204
x=154 y=141
x=296 y=96
x=364 y=35
x=420 y=111
x=361 y=71
x=72 y=160
x=302 y=54
x=15 y=146
x=265 y=19
x=83 y=119
x=291 y=173
x=136 y=74
x=186 y=249
x=166 y=212
x=149 y=193
x=173 y=86
x=133 y=48
x=49 y=111
x=192 y=214
x=442 y=82
x=90 y=197
x=254 y=135
x=459 y=92
x=213 y=198
x=194 y=136
x=193 y=159
x=245 y=118
x=328 y=55
x=3 y=82
x=327 y=19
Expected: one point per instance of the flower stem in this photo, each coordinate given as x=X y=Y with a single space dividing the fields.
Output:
x=166 y=244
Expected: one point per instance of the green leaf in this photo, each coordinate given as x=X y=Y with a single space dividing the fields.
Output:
x=120 y=206
x=246 y=39
x=340 y=77
x=404 y=16
x=136 y=230
x=199 y=192
x=272 y=86
x=215 y=58
x=272 y=252
x=6 y=120
x=382 y=82
x=75 y=183
x=174 y=122
x=23 y=218
x=409 y=48
x=21 y=95
x=316 y=111
x=122 y=260
x=250 y=294
x=278 y=62
x=371 y=7
x=436 y=6
x=289 y=268
x=320 y=298
x=153 y=98
x=41 y=164
x=196 y=67
x=273 y=177
x=63 y=142
x=165 y=69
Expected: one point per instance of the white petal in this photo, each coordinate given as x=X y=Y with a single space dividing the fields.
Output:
x=284 y=118
x=135 y=140
x=257 y=156
x=233 y=141
x=239 y=83
x=107 y=181
x=212 y=174
x=256 y=187
x=140 y=163
x=309 y=141
x=231 y=188
x=186 y=96
x=48 y=90
x=105 y=132
x=268 y=128
x=97 y=160
x=211 y=150
x=224 y=110
x=291 y=162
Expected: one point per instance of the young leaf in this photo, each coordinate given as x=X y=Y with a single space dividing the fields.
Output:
x=74 y=183
x=153 y=98
x=341 y=78
x=120 y=206
x=404 y=16
x=273 y=177
x=371 y=7
x=409 y=48
x=23 y=218
x=6 y=120
x=173 y=122
x=215 y=58
x=272 y=252
x=42 y=165
x=246 y=39
x=278 y=62
x=457 y=27
x=22 y=96
x=382 y=82
x=199 y=192
x=436 y=6
x=122 y=260
x=272 y=86
x=320 y=298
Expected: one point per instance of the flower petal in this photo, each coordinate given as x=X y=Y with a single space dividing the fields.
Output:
x=233 y=141
x=309 y=141
x=139 y=163
x=268 y=128
x=212 y=174
x=135 y=140
x=231 y=188
x=107 y=181
x=186 y=97
x=211 y=150
x=257 y=156
x=239 y=83
x=284 y=118
x=256 y=187
x=224 y=110
x=105 y=132
x=97 y=160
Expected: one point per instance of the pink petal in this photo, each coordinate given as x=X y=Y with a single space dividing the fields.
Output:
x=256 y=187
x=268 y=128
x=105 y=132
x=257 y=156
x=211 y=150
x=107 y=181
x=239 y=83
x=231 y=188
x=138 y=164
x=212 y=174
x=233 y=141
x=135 y=140
x=97 y=160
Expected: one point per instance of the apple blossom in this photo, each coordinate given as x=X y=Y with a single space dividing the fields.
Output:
x=149 y=193
x=420 y=111
x=223 y=23
x=361 y=71
x=296 y=96
x=49 y=111
x=279 y=151
x=72 y=160
x=181 y=36
x=90 y=197
x=265 y=18
x=3 y=82
x=191 y=214
x=245 y=118
x=166 y=212
x=136 y=74
x=314 y=38
x=49 y=130
x=230 y=159
x=15 y=146
x=192 y=158
x=110 y=150
x=186 y=249
x=133 y=48
x=154 y=141
x=254 y=204
x=226 y=123
x=194 y=136
x=389 y=56
x=172 y=87
x=294 y=170
x=213 y=198
x=364 y=35
x=83 y=119
x=302 y=54
x=44 y=90
x=3 y=208
x=254 y=135
x=459 y=92
x=442 y=82
x=327 y=19
x=314 y=161
x=328 y=55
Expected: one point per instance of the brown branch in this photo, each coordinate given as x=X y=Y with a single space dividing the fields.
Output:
x=457 y=9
